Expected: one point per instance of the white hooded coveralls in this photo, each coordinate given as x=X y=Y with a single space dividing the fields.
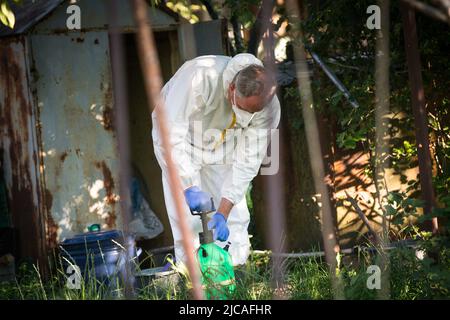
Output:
x=207 y=151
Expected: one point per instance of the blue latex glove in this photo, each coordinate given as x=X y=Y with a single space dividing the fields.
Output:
x=219 y=223
x=197 y=199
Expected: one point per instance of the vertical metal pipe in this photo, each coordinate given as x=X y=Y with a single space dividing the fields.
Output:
x=382 y=60
x=429 y=10
x=258 y=27
x=274 y=184
x=122 y=130
x=382 y=107
x=153 y=83
x=419 y=110
x=331 y=245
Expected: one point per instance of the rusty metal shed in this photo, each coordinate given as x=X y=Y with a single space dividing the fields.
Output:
x=58 y=148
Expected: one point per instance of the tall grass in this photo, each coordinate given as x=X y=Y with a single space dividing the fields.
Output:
x=306 y=278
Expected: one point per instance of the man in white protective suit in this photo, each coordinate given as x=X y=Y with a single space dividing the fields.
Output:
x=220 y=112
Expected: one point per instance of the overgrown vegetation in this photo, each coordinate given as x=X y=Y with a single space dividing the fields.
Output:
x=336 y=31
x=7 y=16
x=411 y=277
x=349 y=48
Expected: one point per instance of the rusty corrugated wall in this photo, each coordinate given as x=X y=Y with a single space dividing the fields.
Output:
x=19 y=148
x=60 y=156
x=74 y=98
x=73 y=92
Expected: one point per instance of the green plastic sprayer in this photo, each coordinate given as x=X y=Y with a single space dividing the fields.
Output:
x=217 y=273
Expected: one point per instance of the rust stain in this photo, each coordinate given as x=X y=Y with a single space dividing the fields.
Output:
x=108 y=183
x=111 y=220
x=48 y=199
x=63 y=156
x=52 y=227
x=52 y=233
x=108 y=118
x=108 y=112
x=15 y=117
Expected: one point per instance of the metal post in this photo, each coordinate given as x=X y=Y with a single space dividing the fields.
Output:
x=419 y=110
x=153 y=83
x=121 y=122
x=274 y=184
x=331 y=245
x=382 y=104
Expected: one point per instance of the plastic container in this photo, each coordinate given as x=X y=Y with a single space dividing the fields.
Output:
x=159 y=278
x=99 y=253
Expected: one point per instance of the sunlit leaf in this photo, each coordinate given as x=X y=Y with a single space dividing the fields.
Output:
x=3 y=19
x=7 y=12
x=390 y=211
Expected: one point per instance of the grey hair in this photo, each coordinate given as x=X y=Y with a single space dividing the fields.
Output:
x=252 y=81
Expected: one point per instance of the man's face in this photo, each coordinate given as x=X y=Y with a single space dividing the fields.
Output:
x=250 y=104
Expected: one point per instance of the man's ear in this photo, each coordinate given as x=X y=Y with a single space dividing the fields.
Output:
x=231 y=87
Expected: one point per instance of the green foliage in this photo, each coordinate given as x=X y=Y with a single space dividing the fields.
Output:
x=356 y=285
x=7 y=16
x=185 y=9
x=400 y=207
x=309 y=279
x=253 y=279
x=427 y=278
x=305 y=278
x=241 y=9
x=28 y=285
x=404 y=153
x=407 y=281
x=337 y=32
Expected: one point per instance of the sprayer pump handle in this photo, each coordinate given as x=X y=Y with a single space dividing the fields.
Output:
x=213 y=208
